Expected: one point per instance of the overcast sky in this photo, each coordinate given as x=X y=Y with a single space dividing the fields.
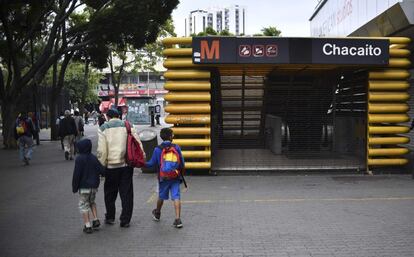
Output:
x=291 y=17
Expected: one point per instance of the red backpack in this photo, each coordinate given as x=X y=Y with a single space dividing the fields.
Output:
x=134 y=154
x=170 y=163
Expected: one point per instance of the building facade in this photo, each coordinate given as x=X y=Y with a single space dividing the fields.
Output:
x=137 y=93
x=333 y=18
x=370 y=18
x=230 y=18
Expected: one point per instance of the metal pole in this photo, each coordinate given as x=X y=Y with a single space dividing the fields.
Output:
x=147 y=83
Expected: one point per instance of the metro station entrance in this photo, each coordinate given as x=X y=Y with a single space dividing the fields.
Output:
x=247 y=104
x=290 y=120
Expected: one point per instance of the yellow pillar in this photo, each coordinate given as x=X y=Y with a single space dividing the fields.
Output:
x=188 y=102
x=387 y=108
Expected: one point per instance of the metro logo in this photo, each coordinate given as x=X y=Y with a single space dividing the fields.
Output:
x=214 y=50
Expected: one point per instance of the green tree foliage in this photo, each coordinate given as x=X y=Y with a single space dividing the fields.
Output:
x=269 y=32
x=35 y=35
x=75 y=82
x=126 y=58
x=226 y=33
x=209 y=31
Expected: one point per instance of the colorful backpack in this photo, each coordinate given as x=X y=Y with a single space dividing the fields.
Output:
x=134 y=154
x=21 y=127
x=170 y=162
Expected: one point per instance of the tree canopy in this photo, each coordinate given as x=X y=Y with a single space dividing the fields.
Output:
x=34 y=35
x=209 y=31
x=269 y=32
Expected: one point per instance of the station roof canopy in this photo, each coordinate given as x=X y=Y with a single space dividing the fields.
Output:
x=264 y=55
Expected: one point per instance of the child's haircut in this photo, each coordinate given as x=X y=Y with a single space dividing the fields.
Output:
x=166 y=134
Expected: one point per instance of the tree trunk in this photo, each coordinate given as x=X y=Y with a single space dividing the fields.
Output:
x=52 y=118
x=85 y=88
x=116 y=95
x=9 y=115
x=54 y=94
x=57 y=85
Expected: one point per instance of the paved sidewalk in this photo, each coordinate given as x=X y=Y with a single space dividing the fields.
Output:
x=260 y=215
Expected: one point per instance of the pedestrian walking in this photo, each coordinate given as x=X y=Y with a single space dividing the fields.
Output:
x=112 y=142
x=36 y=125
x=24 y=136
x=86 y=115
x=157 y=119
x=169 y=161
x=67 y=131
x=86 y=181
x=61 y=116
x=79 y=127
x=94 y=116
x=101 y=119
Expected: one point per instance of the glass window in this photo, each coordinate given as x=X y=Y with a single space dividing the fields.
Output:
x=143 y=78
x=134 y=79
x=125 y=79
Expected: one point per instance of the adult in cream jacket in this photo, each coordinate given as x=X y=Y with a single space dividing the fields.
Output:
x=112 y=143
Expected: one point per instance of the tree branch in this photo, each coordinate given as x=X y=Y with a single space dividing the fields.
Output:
x=34 y=24
x=121 y=71
x=77 y=46
x=1 y=85
x=69 y=11
x=111 y=66
x=47 y=57
x=9 y=75
x=62 y=71
x=12 y=46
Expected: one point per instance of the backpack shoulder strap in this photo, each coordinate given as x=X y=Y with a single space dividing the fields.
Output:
x=160 y=147
x=128 y=127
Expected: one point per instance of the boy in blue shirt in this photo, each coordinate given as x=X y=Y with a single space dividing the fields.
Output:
x=169 y=161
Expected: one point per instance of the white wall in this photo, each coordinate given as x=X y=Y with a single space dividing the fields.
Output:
x=342 y=17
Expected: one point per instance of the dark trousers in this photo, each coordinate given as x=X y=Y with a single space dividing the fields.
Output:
x=119 y=179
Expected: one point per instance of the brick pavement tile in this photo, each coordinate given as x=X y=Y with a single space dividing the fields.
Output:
x=223 y=216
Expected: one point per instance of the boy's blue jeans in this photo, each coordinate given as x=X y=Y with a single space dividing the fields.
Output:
x=25 y=147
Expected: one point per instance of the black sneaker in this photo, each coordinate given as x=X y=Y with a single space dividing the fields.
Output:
x=26 y=161
x=96 y=224
x=110 y=221
x=67 y=155
x=124 y=225
x=87 y=230
x=177 y=223
x=156 y=215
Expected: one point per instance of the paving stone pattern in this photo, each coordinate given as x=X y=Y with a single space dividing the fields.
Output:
x=330 y=215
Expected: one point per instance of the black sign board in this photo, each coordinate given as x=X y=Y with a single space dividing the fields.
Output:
x=350 y=51
x=214 y=50
x=272 y=50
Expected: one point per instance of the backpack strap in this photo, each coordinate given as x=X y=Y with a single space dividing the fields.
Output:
x=161 y=146
x=128 y=127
